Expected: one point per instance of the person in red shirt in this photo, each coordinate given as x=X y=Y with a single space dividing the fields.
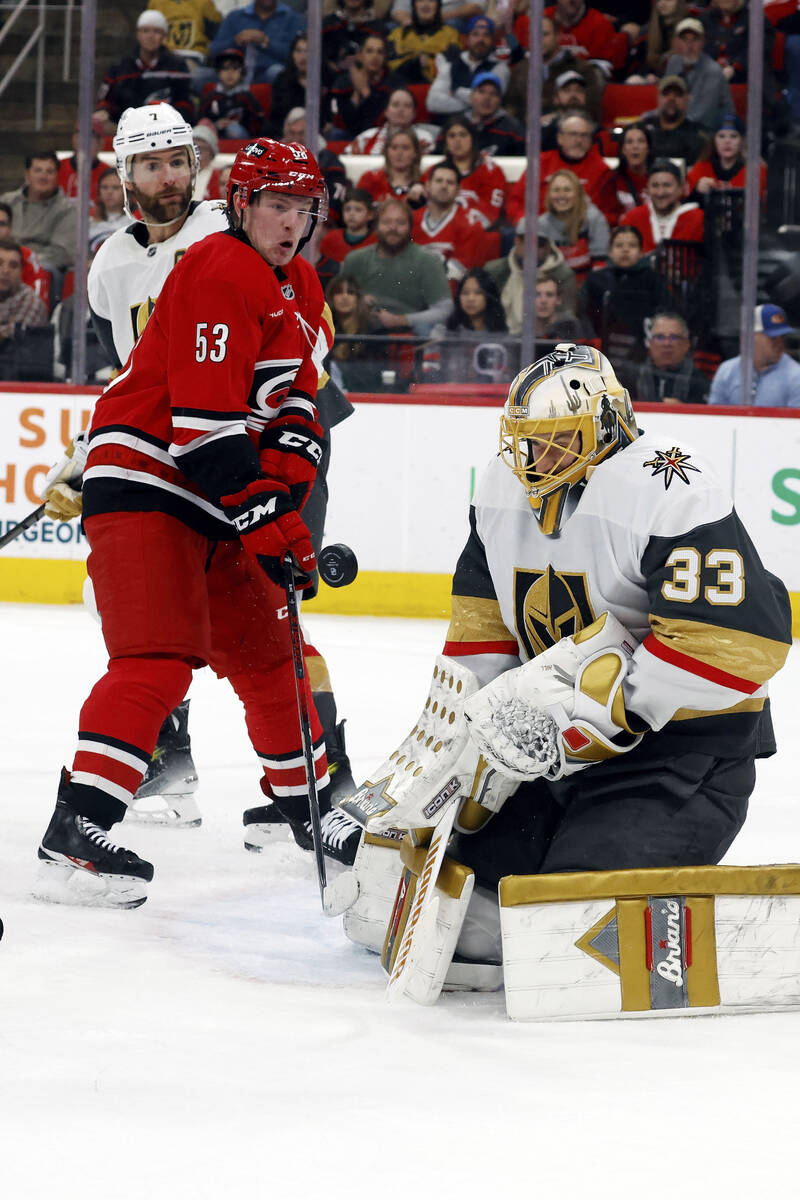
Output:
x=664 y=214
x=67 y=177
x=723 y=165
x=33 y=273
x=201 y=455
x=586 y=29
x=358 y=212
x=483 y=184
x=577 y=153
x=442 y=226
x=635 y=160
x=400 y=174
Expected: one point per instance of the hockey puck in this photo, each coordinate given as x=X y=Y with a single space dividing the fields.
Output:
x=337 y=565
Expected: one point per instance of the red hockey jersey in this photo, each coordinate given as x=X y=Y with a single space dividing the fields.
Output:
x=592 y=170
x=686 y=223
x=232 y=343
x=451 y=238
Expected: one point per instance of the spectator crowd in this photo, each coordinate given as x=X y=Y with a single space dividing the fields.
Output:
x=422 y=143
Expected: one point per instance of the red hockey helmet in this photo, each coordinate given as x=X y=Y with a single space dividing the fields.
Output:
x=286 y=168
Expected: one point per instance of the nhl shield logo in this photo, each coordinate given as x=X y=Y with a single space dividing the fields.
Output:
x=287 y=291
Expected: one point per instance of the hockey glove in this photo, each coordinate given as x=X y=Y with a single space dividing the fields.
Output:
x=62 y=484
x=562 y=712
x=290 y=450
x=269 y=526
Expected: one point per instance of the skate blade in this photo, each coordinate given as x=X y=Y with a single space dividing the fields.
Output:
x=57 y=883
x=178 y=811
x=258 y=836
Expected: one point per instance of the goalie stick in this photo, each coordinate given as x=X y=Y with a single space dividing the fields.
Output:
x=340 y=895
x=26 y=522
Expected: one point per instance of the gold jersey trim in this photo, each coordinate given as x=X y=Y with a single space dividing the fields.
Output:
x=474 y=619
x=731 y=650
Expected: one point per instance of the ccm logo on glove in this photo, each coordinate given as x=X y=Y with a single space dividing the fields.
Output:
x=253 y=516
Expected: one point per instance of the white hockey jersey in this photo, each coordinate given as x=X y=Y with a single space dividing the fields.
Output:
x=127 y=275
x=653 y=538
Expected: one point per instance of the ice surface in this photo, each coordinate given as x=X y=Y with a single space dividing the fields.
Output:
x=225 y=1040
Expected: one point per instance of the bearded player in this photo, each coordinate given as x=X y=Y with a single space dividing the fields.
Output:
x=157 y=164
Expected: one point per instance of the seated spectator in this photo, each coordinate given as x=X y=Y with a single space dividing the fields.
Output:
x=358 y=212
x=453 y=11
x=574 y=224
x=20 y=307
x=723 y=165
x=635 y=160
x=332 y=167
x=776 y=376
x=672 y=133
x=466 y=350
x=583 y=27
x=577 y=153
x=507 y=273
x=33 y=273
x=206 y=143
x=230 y=106
x=400 y=174
x=151 y=73
x=415 y=45
x=552 y=322
x=495 y=132
x=326 y=268
x=451 y=89
x=483 y=184
x=264 y=31
x=67 y=177
x=360 y=94
x=556 y=61
x=652 y=49
x=406 y=286
x=664 y=213
x=709 y=91
x=289 y=87
x=442 y=226
x=357 y=363
x=44 y=219
x=568 y=95
x=190 y=26
x=668 y=374
x=109 y=210
x=344 y=30
x=727 y=26
x=620 y=300
x=401 y=113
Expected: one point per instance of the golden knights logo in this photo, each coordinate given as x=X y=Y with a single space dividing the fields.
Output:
x=140 y=315
x=671 y=464
x=548 y=606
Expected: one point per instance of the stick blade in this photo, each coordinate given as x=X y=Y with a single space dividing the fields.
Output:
x=340 y=894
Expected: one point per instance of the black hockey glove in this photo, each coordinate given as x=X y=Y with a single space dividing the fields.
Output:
x=269 y=526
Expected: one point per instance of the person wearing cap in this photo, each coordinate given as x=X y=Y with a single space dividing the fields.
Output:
x=151 y=73
x=190 y=26
x=673 y=134
x=723 y=164
x=414 y=46
x=451 y=89
x=556 y=61
x=709 y=91
x=264 y=31
x=207 y=185
x=576 y=152
x=776 y=376
x=569 y=94
x=664 y=213
x=496 y=133
x=507 y=273
x=230 y=106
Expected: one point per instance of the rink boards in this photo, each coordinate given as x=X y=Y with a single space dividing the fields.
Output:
x=403 y=471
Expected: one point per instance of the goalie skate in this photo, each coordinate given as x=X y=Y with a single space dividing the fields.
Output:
x=79 y=864
x=166 y=794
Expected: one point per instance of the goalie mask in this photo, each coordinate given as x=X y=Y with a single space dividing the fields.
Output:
x=285 y=168
x=146 y=130
x=564 y=414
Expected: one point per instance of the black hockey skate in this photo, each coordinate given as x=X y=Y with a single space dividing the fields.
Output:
x=340 y=833
x=80 y=865
x=166 y=794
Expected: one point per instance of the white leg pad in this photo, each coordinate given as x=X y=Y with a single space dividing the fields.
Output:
x=674 y=942
x=378 y=869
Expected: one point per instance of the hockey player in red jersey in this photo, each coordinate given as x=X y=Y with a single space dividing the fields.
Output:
x=202 y=453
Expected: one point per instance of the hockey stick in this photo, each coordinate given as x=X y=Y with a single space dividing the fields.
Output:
x=343 y=892
x=24 y=524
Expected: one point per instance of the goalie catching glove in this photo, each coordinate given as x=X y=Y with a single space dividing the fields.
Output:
x=62 y=484
x=270 y=527
x=561 y=712
x=290 y=449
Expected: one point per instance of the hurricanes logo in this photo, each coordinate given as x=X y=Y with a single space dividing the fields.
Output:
x=548 y=606
x=671 y=464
